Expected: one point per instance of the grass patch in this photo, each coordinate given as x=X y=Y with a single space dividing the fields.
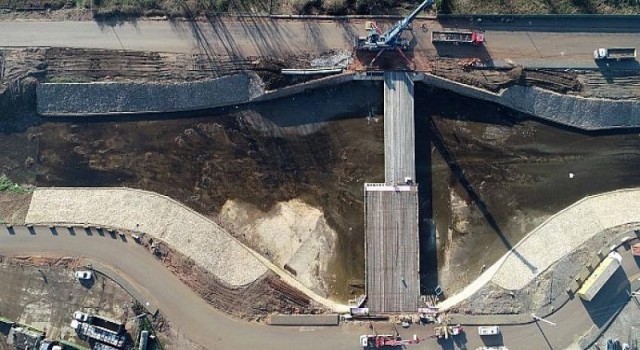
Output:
x=545 y=6
x=125 y=7
x=6 y=185
x=22 y=5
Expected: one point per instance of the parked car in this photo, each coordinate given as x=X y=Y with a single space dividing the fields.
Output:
x=610 y=345
x=84 y=275
x=626 y=346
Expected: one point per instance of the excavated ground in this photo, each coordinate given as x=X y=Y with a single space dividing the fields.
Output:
x=253 y=301
x=287 y=149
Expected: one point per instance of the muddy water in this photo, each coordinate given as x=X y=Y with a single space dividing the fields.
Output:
x=508 y=173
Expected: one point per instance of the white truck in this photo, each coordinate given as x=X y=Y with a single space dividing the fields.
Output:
x=488 y=330
x=615 y=53
x=600 y=276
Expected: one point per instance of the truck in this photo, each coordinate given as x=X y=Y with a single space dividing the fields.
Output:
x=488 y=330
x=104 y=335
x=615 y=53
x=457 y=37
x=600 y=276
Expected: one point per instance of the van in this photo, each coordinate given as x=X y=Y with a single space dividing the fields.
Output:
x=488 y=330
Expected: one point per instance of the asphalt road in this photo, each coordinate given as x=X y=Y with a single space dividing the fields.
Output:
x=201 y=323
x=535 y=44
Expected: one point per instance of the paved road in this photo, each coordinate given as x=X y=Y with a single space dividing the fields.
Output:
x=203 y=324
x=535 y=44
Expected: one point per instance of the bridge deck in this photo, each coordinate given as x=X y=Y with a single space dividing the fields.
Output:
x=391 y=209
x=399 y=130
x=392 y=260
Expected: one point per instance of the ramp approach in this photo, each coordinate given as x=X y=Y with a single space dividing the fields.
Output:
x=391 y=208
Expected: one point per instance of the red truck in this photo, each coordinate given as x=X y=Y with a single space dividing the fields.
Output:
x=457 y=36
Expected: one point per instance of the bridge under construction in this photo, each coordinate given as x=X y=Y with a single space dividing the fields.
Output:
x=391 y=208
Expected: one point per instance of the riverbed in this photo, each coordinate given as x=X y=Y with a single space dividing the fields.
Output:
x=487 y=175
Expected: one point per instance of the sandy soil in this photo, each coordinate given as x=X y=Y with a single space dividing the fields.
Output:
x=14 y=207
x=292 y=233
x=158 y=216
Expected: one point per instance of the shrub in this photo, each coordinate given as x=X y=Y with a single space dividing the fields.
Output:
x=335 y=7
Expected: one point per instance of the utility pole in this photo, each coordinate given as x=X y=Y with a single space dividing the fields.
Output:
x=543 y=320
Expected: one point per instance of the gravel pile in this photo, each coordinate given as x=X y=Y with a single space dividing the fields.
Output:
x=129 y=97
x=189 y=233
x=563 y=233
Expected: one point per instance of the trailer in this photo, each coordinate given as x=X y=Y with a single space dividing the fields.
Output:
x=600 y=276
x=457 y=37
x=615 y=53
x=104 y=335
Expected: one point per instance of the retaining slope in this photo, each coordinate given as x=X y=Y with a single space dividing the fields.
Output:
x=578 y=112
x=79 y=99
x=76 y=99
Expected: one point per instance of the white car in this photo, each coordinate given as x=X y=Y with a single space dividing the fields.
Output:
x=84 y=275
x=81 y=316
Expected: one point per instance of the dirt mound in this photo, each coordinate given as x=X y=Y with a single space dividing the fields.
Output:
x=29 y=260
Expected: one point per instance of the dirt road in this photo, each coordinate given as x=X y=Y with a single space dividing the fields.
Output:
x=187 y=312
x=241 y=37
x=198 y=321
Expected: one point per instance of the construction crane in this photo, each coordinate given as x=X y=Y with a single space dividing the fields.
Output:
x=377 y=41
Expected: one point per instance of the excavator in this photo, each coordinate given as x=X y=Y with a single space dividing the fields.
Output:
x=377 y=41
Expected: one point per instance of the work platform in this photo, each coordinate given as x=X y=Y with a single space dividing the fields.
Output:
x=391 y=209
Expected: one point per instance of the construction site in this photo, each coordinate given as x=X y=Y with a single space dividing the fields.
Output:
x=459 y=181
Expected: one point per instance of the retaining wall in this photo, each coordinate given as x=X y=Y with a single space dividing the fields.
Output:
x=579 y=112
x=75 y=99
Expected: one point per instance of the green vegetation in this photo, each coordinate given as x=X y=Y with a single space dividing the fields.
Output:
x=189 y=8
x=145 y=324
x=33 y=4
x=546 y=6
x=71 y=345
x=6 y=185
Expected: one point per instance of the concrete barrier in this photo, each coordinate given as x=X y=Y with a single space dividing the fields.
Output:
x=305 y=320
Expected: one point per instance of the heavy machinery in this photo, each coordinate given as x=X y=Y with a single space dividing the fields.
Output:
x=444 y=331
x=615 y=53
x=377 y=41
x=457 y=37
x=382 y=341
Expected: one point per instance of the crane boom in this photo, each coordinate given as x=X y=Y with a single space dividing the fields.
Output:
x=391 y=34
x=391 y=39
